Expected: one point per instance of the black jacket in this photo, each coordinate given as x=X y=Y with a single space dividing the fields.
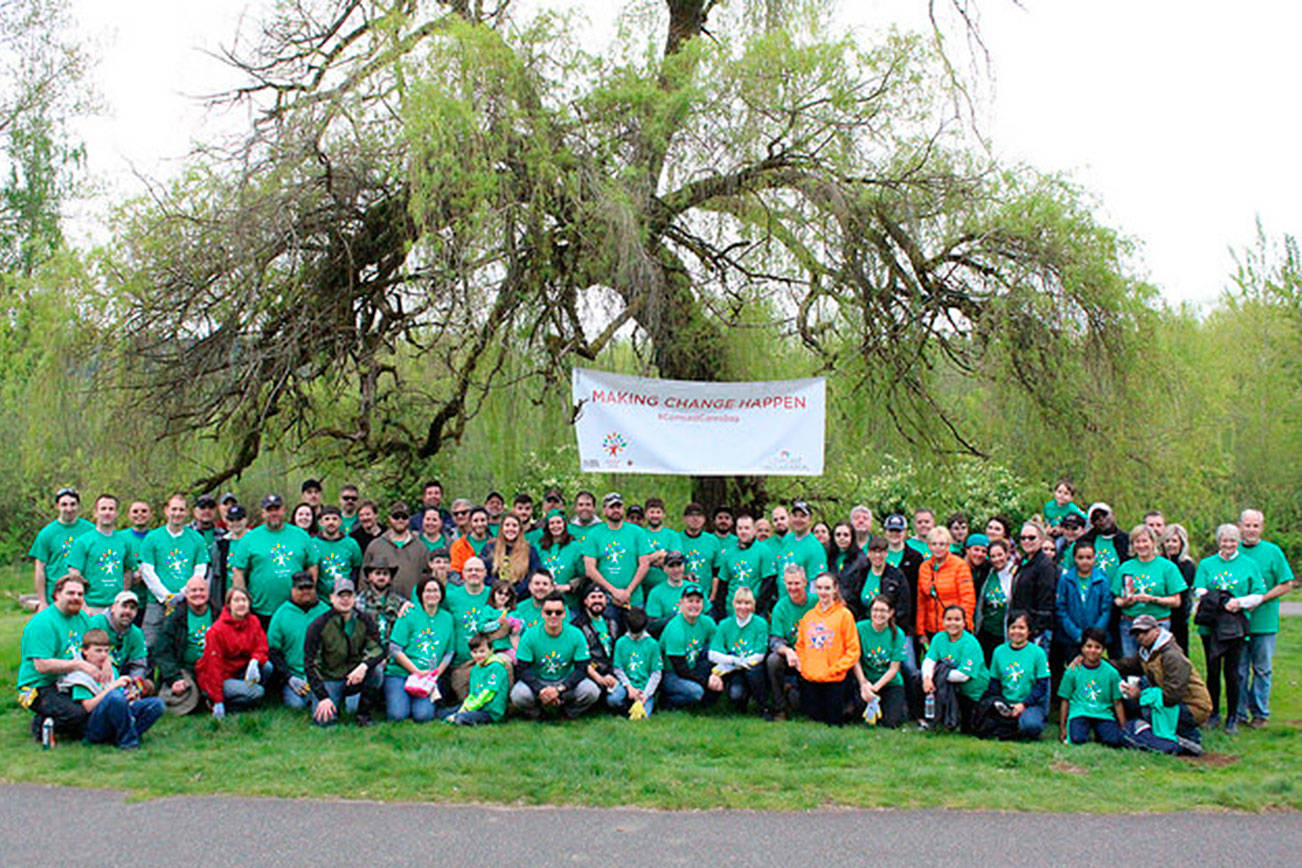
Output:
x=1225 y=625
x=1035 y=590
x=169 y=646
x=1120 y=541
x=894 y=587
x=910 y=562
x=602 y=657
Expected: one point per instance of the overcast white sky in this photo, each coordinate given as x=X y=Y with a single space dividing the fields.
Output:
x=1178 y=115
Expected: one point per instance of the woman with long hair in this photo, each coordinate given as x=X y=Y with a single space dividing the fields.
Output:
x=510 y=556
x=827 y=646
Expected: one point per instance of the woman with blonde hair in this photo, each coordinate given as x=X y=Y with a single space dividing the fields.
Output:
x=1174 y=543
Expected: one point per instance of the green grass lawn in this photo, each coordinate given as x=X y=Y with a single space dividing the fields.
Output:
x=674 y=760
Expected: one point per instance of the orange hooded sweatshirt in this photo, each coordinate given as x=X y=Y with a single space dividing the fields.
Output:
x=827 y=643
x=950 y=585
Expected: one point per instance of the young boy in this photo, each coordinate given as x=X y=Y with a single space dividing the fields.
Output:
x=113 y=717
x=486 y=700
x=638 y=664
x=1091 y=695
x=1061 y=505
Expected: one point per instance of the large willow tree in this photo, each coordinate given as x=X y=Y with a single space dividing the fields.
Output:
x=437 y=198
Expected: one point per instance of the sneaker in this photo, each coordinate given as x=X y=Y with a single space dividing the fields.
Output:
x=1214 y=720
x=1232 y=726
x=1003 y=708
x=363 y=719
x=1258 y=723
x=1189 y=746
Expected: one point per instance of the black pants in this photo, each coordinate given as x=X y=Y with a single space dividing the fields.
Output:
x=745 y=684
x=823 y=701
x=1223 y=655
x=893 y=701
x=989 y=642
x=69 y=717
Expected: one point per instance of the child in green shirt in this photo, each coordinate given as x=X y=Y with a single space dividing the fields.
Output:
x=114 y=717
x=489 y=686
x=1090 y=696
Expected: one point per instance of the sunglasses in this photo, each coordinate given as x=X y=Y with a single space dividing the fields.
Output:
x=552 y=613
x=348 y=497
x=1029 y=536
x=64 y=492
x=461 y=512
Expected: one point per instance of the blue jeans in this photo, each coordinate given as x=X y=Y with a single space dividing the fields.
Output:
x=346 y=698
x=400 y=705
x=617 y=700
x=1129 y=647
x=1108 y=732
x=1254 y=696
x=680 y=692
x=118 y=721
x=295 y=702
x=1030 y=723
x=238 y=693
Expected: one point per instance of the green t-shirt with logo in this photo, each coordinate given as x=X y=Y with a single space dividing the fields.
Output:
x=746 y=567
x=423 y=637
x=49 y=635
x=123 y=647
x=1159 y=577
x=662 y=602
x=580 y=531
x=638 y=658
x=786 y=618
x=196 y=636
x=103 y=562
x=993 y=605
x=878 y=649
x=469 y=613
x=1275 y=571
x=681 y=639
x=731 y=638
x=701 y=553
x=52 y=547
x=288 y=631
x=1240 y=576
x=1106 y=557
x=1091 y=692
x=1018 y=669
x=804 y=551
x=617 y=551
x=490 y=676
x=174 y=558
x=663 y=539
x=335 y=559
x=269 y=560
x=1054 y=514
x=966 y=656
x=553 y=657
x=564 y=562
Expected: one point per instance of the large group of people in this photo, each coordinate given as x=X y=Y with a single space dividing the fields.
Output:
x=467 y=613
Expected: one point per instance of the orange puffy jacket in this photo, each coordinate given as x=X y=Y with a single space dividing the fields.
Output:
x=948 y=585
x=827 y=643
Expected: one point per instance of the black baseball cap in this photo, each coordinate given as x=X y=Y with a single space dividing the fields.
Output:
x=271 y=501
x=310 y=485
x=205 y=501
x=236 y=512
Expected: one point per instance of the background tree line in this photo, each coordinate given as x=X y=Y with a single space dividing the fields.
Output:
x=441 y=209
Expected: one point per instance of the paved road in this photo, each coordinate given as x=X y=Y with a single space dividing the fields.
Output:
x=196 y=830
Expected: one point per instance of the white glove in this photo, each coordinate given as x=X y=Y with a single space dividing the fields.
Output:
x=253 y=674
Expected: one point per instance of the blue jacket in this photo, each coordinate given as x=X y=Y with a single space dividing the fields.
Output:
x=1074 y=614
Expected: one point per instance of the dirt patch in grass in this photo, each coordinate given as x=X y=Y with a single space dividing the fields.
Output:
x=1216 y=760
x=1067 y=768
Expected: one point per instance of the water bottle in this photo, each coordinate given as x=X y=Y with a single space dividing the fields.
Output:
x=47 y=733
x=929 y=707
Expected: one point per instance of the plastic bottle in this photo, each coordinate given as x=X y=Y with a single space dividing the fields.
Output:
x=929 y=707
x=47 y=733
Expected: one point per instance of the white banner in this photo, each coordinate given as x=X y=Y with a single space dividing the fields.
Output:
x=639 y=425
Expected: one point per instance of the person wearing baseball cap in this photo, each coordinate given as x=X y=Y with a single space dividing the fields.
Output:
x=1111 y=544
x=336 y=554
x=616 y=556
x=685 y=643
x=662 y=601
x=266 y=558
x=311 y=493
x=343 y=658
x=1174 y=703
x=126 y=641
x=701 y=549
x=286 y=635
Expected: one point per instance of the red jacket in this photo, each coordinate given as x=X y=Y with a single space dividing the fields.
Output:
x=227 y=648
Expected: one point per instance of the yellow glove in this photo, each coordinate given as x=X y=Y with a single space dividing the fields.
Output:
x=637 y=711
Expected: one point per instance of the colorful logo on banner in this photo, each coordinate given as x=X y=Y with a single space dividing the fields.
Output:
x=614 y=444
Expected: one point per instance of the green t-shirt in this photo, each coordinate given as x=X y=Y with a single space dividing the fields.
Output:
x=786 y=618
x=81 y=692
x=288 y=631
x=994 y=605
x=1240 y=576
x=174 y=558
x=966 y=656
x=895 y=558
x=806 y=552
x=746 y=567
x=1091 y=692
x=638 y=658
x=662 y=602
x=553 y=657
x=335 y=559
x=1054 y=514
x=878 y=649
x=491 y=677
x=423 y=637
x=1158 y=577
x=123 y=647
x=681 y=639
x=1164 y=718
x=1106 y=557
x=731 y=638
x=347 y=523
x=701 y=553
x=49 y=635
x=919 y=545
x=617 y=552
x=269 y=560
x=469 y=612
x=433 y=545
x=196 y=636
x=1018 y=669
x=52 y=547
x=580 y=531
x=872 y=586
x=565 y=562
x=103 y=562
x=665 y=539
x=1275 y=571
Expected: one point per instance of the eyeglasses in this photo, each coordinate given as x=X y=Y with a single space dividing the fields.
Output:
x=1029 y=536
